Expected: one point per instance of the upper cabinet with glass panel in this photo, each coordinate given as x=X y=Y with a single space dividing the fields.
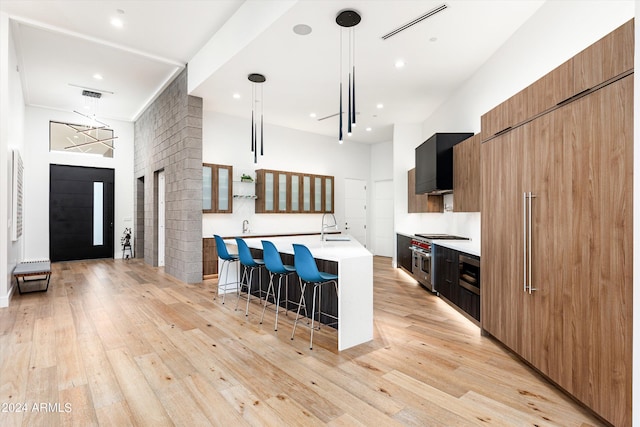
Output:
x=82 y=139
x=217 y=188
x=292 y=192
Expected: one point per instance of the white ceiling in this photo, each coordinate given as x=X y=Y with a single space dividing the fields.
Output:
x=62 y=44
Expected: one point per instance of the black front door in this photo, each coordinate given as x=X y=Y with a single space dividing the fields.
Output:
x=80 y=213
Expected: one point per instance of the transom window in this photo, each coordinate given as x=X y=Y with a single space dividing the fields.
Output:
x=81 y=139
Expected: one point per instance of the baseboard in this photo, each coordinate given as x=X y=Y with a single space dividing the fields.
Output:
x=4 y=300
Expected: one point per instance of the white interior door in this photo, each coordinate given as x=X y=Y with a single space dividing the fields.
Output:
x=161 y=218
x=355 y=209
x=383 y=218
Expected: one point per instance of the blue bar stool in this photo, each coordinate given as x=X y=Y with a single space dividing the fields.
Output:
x=274 y=265
x=308 y=272
x=250 y=264
x=227 y=259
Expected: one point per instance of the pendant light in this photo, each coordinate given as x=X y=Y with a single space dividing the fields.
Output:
x=257 y=80
x=348 y=19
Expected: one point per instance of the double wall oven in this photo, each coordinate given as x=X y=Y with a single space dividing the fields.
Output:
x=422 y=257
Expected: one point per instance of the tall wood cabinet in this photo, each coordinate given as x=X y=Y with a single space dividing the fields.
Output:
x=557 y=245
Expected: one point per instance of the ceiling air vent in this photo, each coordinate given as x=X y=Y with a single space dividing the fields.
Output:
x=91 y=94
x=415 y=21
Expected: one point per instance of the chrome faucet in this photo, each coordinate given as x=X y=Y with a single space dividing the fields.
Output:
x=326 y=225
x=245 y=226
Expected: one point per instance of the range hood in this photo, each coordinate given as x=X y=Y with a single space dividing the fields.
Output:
x=434 y=163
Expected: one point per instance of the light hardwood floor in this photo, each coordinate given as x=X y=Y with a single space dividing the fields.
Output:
x=121 y=343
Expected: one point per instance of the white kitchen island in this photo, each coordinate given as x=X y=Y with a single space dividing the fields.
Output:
x=355 y=281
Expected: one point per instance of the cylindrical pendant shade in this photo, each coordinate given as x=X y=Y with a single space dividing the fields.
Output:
x=353 y=96
x=261 y=135
x=350 y=106
x=340 y=115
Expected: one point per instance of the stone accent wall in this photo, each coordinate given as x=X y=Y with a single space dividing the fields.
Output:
x=168 y=137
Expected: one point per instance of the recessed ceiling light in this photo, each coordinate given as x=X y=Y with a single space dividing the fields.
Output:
x=380 y=106
x=433 y=39
x=368 y=129
x=399 y=63
x=302 y=29
x=313 y=115
x=236 y=96
x=117 y=22
x=97 y=76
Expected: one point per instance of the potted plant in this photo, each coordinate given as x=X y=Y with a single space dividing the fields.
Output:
x=246 y=178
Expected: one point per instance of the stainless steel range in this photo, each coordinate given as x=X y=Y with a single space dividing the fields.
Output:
x=422 y=257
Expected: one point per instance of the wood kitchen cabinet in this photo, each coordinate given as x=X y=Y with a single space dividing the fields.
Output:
x=556 y=248
x=446 y=273
x=209 y=257
x=403 y=253
x=421 y=203
x=273 y=191
x=608 y=58
x=542 y=95
x=467 y=186
x=217 y=188
x=291 y=192
x=605 y=59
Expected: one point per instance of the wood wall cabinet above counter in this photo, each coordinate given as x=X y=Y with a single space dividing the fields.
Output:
x=294 y=192
x=467 y=186
x=217 y=188
x=421 y=203
x=607 y=59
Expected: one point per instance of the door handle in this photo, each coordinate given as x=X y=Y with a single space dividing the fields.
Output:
x=524 y=242
x=527 y=239
x=531 y=197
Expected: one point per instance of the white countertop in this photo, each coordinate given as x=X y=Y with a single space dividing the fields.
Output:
x=330 y=251
x=470 y=247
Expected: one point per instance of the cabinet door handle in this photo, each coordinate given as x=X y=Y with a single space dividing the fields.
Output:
x=524 y=242
x=531 y=288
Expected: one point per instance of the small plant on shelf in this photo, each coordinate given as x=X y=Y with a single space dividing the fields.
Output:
x=246 y=178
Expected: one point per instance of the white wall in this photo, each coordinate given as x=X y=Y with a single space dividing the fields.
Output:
x=11 y=138
x=37 y=159
x=227 y=141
